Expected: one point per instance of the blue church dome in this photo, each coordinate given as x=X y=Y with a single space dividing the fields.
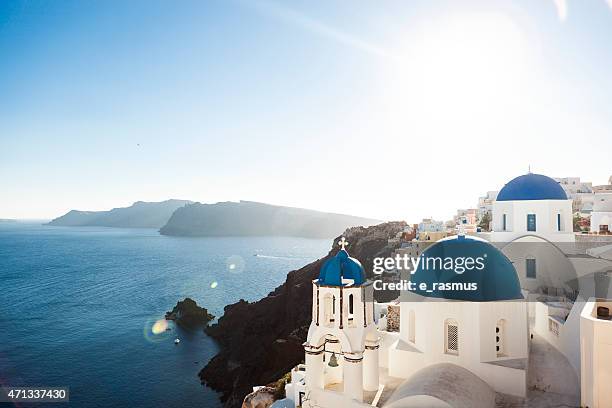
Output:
x=493 y=273
x=532 y=187
x=341 y=266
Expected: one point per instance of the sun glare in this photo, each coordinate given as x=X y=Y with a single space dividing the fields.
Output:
x=461 y=66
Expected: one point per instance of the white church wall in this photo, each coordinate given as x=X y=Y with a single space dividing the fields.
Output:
x=506 y=380
x=405 y=361
x=596 y=356
x=474 y=320
x=413 y=323
x=570 y=336
x=499 y=209
x=513 y=331
x=436 y=314
x=546 y=220
x=387 y=339
x=405 y=308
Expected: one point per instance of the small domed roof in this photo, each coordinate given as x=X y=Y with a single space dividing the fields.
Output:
x=341 y=266
x=494 y=275
x=532 y=187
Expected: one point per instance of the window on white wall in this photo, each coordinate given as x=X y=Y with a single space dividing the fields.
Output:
x=531 y=222
x=504 y=222
x=451 y=331
x=530 y=268
x=351 y=310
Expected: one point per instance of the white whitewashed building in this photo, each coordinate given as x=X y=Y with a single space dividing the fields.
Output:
x=531 y=334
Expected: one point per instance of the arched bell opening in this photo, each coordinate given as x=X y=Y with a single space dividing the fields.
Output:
x=333 y=364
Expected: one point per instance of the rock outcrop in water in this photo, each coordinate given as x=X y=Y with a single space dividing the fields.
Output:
x=262 y=341
x=138 y=215
x=187 y=313
x=247 y=218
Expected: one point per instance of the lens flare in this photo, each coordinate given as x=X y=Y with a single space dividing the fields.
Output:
x=235 y=264
x=159 y=326
x=157 y=330
x=213 y=285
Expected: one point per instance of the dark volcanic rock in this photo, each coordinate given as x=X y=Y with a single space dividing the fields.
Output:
x=262 y=398
x=187 y=313
x=262 y=341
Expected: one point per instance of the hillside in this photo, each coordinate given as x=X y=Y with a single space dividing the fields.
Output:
x=139 y=215
x=247 y=218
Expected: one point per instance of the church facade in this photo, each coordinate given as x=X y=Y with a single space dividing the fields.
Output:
x=532 y=324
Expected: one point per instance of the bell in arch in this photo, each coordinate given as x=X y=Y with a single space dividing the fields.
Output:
x=333 y=361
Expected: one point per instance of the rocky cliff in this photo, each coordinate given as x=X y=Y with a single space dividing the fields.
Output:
x=139 y=215
x=262 y=341
x=247 y=218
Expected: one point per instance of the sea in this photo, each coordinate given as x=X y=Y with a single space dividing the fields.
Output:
x=78 y=307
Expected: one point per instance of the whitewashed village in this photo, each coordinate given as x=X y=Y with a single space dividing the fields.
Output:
x=537 y=333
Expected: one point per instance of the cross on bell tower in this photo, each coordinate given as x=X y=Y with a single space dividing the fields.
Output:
x=343 y=243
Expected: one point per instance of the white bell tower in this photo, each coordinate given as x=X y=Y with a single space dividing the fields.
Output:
x=342 y=344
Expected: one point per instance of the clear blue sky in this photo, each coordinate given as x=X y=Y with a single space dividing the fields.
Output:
x=383 y=109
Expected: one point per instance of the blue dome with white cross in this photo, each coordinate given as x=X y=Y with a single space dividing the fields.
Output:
x=468 y=269
x=532 y=187
x=341 y=267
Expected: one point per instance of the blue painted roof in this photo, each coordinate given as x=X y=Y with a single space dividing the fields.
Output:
x=496 y=280
x=341 y=266
x=532 y=187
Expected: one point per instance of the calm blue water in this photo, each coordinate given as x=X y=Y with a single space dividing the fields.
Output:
x=77 y=306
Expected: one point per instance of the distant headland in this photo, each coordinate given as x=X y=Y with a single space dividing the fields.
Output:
x=248 y=218
x=139 y=215
x=243 y=218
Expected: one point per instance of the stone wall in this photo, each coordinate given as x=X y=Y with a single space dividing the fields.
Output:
x=393 y=318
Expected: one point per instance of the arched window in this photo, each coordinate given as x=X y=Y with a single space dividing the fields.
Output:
x=351 y=310
x=329 y=309
x=411 y=326
x=500 y=338
x=451 y=333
